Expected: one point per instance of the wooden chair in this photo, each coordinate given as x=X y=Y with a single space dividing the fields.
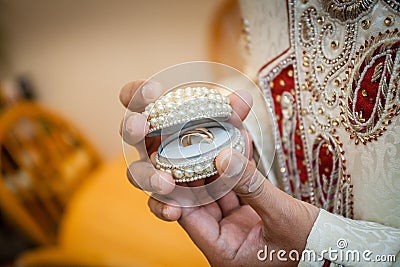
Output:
x=43 y=159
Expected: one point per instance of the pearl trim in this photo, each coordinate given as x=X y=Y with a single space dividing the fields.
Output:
x=199 y=168
x=186 y=104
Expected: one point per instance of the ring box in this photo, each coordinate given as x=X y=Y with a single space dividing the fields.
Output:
x=193 y=123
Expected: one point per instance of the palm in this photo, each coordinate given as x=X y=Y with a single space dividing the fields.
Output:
x=224 y=229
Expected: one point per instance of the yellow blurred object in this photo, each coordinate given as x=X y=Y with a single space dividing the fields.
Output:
x=226 y=36
x=36 y=145
x=55 y=190
x=108 y=223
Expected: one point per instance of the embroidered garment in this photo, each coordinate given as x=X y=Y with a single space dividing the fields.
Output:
x=335 y=96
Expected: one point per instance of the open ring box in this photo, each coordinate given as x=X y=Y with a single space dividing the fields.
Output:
x=192 y=122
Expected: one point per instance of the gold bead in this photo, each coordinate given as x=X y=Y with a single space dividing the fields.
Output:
x=311 y=129
x=326 y=169
x=320 y=20
x=271 y=85
x=278 y=98
x=303 y=87
x=360 y=116
x=290 y=73
x=292 y=91
x=282 y=83
x=306 y=64
x=321 y=110
x=389 y=20
x=364 y=93
x=335 y=122
x=327 y=152
x=306 y=58
x=337 y=82
x=319 y=68
x=365 y=24
x=334 y=44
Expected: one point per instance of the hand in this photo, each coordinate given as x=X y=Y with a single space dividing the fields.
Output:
x=142 y=174
x=229 y=232
x=136 y=96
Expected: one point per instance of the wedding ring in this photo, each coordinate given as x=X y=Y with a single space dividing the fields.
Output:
x=191 y=110
x=188 y=170
x=203 y=133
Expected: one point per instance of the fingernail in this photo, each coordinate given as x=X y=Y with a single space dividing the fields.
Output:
x=231 y=163
x=151 y=91
x=155 y=182
x=131 y=122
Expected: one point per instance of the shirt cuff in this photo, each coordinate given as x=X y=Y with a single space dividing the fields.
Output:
x=350 y=243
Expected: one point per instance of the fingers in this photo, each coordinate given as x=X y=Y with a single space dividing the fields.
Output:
x=286 y=220
x=143 y=175
x=201 y=226
x=138 y=94
x=218 y=237
x=248 y=141
x=241 y=103
x=252 y=186
x=164 y=211
x=228 y=203
x=134 y=128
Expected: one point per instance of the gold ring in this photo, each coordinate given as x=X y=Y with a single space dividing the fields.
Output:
x=203 y=133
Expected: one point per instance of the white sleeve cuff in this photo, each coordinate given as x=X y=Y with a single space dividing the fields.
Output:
x=351 y=243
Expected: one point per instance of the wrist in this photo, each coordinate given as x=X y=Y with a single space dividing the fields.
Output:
x=289 y=222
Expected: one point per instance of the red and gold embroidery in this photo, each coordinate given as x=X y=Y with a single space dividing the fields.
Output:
x=337 y=89
x=373 y=88
x=322 y=180
x=331 y=184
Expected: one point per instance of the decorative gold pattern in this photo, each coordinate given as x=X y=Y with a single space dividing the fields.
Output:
x=365 y=24
x=382 y=53
x=333 y=191
x=389 y=21
x=394 y=4
x=347 y=10
x=327 y=49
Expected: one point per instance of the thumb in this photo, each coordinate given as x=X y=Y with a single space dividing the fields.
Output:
x=285 y=219
x=251 y=185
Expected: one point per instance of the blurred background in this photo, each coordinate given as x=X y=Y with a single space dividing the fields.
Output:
x=64 y=198
x=78 y=54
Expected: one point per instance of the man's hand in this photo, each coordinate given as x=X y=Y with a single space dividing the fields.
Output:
x=233 y=229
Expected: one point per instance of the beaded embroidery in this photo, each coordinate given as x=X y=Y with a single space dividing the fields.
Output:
x=340 y=81
x=373 y=91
